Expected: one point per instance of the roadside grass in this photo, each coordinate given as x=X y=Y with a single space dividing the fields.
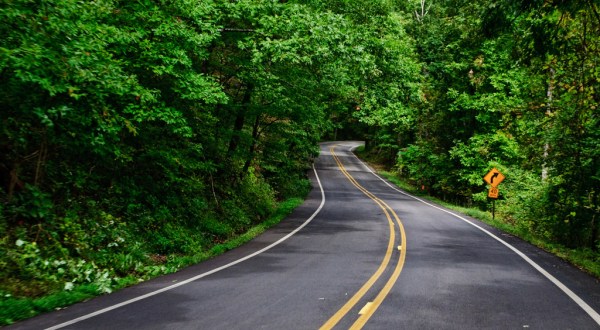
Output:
x=584 y=259
x=14 y=309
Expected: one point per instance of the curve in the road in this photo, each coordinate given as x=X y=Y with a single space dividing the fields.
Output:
x=431 y=293
x=372 y=306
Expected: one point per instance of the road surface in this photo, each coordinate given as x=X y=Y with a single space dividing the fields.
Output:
x=358 y=253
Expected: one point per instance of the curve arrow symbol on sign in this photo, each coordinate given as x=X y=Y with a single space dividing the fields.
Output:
x=494 y=177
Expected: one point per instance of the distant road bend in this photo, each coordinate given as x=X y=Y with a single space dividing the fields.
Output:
x=358 y=253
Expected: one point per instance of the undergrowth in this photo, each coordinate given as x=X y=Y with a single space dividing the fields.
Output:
x=103 y=280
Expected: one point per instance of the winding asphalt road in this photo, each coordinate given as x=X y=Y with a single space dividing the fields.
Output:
x=358 y=253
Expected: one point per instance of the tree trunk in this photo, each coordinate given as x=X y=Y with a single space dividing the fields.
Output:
x=239 y=122
x=255 y=135
x=549 y=96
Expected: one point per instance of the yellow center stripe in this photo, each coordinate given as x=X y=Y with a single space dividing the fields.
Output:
x=367 y=313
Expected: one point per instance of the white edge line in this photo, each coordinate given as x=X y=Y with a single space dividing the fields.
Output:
x=587 y=308
x=153 y=293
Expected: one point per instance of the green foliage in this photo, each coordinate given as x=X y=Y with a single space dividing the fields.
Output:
x=33 y=267
x=421 y=165
x=32 y=205
x=509 y=85
x=482 y=153
x=135 y=135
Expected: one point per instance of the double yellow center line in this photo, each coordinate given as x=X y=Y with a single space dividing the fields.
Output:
x=371 y=307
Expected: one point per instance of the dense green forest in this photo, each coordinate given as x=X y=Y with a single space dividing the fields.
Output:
x=133 y=133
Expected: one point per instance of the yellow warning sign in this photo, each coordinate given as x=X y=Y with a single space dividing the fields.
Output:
x=494 y=177
x=493 y=193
